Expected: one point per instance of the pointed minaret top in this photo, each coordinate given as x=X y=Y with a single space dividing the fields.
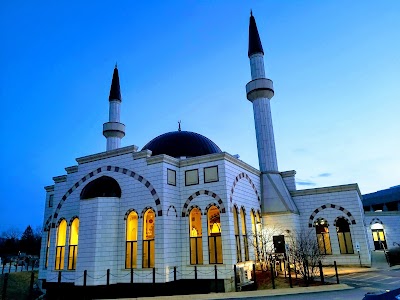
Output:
x=115 y=92
x=255 y=45
x=179 y=126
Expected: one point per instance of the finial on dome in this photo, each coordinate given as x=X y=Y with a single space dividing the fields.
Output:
x=179 y=125
x=116 y=65
x=251 y=12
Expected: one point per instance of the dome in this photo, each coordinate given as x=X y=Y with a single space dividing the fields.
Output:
x=182 y=143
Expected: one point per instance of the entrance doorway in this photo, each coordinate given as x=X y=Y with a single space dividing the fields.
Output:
x=378 y=236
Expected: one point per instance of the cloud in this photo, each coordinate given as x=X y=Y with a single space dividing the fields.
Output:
x=325 y=175
x=305 y=183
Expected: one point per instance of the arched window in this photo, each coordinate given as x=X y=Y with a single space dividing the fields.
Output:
x=73 y=244
x=196 y=241
x=324 y=242
x=214 y=235
x=131 y=240
x=344 y=236
x=244 y=235
x=237 y=236
x=255 y=234
x=47 y=250
x=148 y=238
x=259 y=230
x=60 y=245
x=378 y=236
x=103 y=186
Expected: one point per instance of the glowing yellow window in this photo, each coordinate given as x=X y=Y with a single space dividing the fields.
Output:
x=73 y=244
x=148 y=239
x=196 y=240
x=214 y=236
x=237 y=236
x=131 y=240
x=244 y=235
x=47 y=250
x=60 y=245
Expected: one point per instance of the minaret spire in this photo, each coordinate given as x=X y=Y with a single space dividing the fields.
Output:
x=260 y=90
x=114 y=130
x=255 y=45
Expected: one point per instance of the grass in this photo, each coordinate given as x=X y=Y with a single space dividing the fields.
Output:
x=17 y=286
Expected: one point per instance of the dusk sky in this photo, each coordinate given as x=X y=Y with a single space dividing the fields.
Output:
x=335 y=67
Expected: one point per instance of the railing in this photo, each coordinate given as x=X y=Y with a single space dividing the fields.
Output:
x=131 y=254
x=196 y=250
x=215 y=249
x=60 y=254
x=148 y=253
x=72 y=254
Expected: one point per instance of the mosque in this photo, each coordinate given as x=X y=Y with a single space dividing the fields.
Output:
x=181 y=209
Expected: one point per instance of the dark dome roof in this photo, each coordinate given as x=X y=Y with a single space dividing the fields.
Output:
x=182 y=143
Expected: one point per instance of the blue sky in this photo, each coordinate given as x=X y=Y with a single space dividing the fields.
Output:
x=335 y=67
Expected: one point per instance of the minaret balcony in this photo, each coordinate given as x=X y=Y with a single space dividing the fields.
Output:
x=260 y=88
x=114 y=129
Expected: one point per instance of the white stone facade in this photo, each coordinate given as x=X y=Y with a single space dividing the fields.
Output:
x=143 y=182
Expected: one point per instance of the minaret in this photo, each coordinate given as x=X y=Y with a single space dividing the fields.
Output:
x=260 y=90
x=114 y=130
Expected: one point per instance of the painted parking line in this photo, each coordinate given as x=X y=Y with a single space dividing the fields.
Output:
x=363 y=279
x=385 y=278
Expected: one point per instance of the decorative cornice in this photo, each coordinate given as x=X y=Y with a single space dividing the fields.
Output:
x=163 y=158
x=381 y=213
x=329 y=189
x=141 y=154
x=290 y=173
x=279 y=213
x=58 y=179
x=201 y=159
x=107 y=154
x=72 y=169
x=49 y=188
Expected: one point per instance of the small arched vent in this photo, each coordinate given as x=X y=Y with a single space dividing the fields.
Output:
x=104 y=186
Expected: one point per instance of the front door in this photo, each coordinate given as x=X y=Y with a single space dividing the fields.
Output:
x=379 y=239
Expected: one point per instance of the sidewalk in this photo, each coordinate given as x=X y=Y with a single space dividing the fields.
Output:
x=250 y=294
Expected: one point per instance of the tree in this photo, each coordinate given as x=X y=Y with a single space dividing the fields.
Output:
x=10 y=244
x=27 y=240
x=263 y=244
x=11 y=233
x=304 y=253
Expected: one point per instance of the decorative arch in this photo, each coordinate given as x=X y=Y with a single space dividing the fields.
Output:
x=60 y=220
x=191 y=208
x=47 y=225
x=240 y=176
x=72 y=219
x=208 y=207
x=172 y=208
x=341 y=217
x=124 y=171
x=128 y=212
x=338 y=207
x=375 y=220
x=221 y=206
x=146 y=209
